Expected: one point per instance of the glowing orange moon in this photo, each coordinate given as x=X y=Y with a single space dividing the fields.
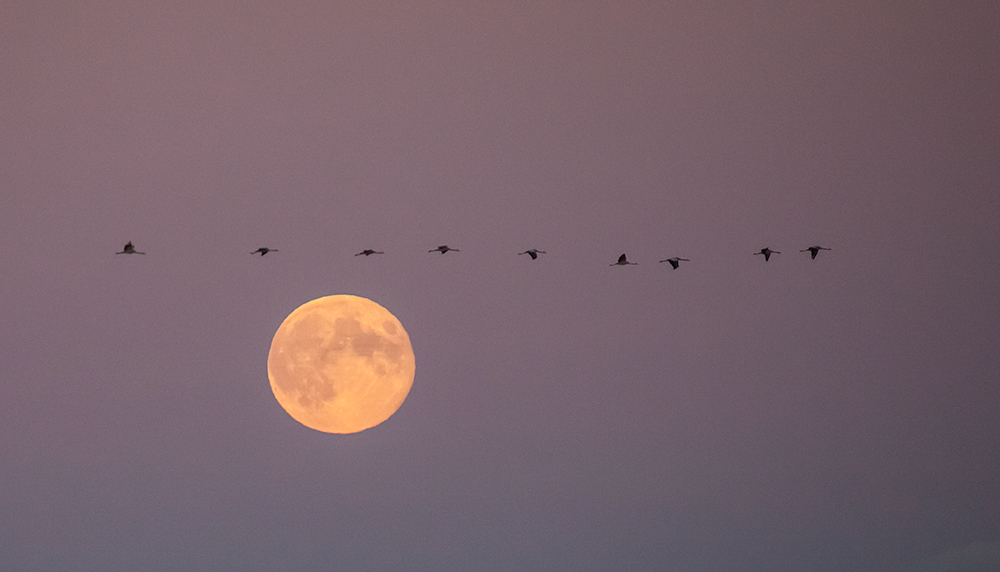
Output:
x=341 y=364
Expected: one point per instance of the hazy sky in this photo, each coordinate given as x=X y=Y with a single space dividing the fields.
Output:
x=837 y=414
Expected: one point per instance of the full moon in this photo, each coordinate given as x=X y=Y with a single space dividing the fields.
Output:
x=340 y=364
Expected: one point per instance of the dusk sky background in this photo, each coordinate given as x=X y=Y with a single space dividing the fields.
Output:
x=836 y=414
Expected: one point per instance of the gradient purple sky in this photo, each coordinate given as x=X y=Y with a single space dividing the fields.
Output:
x=831 y=415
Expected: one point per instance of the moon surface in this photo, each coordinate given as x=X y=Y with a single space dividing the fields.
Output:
x=341 y=364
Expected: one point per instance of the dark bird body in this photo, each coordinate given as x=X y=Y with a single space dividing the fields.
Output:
x=368 y=252
x=622 y=261
x=675 y=261
x=262 y=250
x=814 y=250
x=533 y=253
x=767 y=252
x=129 y=249
x=443 y=249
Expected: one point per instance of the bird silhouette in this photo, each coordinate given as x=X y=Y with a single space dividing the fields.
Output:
x=129 y=249
x=263 y=250
x=369 y=252
x=675 y=261
x=767 y=252
x=443 y=248
x=622 y=261
x=533 y=253
x=814 y=250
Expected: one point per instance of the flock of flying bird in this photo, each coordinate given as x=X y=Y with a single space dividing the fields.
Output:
x=674 y=261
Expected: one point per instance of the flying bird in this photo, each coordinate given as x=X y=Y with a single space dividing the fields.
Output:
x=767 y=252
x=675 y=261
x=263 y=250
x=622 y=261
x=369 y=252
x=533 y=253
x=814 y=250
x=443 y=248
x=129 y=249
